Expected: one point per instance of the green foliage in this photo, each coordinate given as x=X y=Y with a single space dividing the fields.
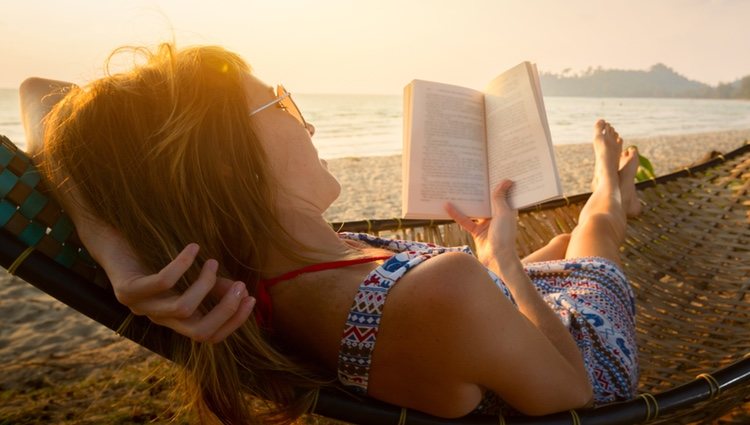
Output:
x=645 y=169
x=658 y=81
x=744 y=90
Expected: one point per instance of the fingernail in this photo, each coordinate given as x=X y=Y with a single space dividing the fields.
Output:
x=238 y=288
x=250 y=301
x=192 y=248
x=212 y=265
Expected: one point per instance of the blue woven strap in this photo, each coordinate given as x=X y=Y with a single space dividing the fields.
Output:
x=33 y=217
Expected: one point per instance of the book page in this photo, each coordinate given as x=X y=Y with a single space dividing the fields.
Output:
x=445 y=151
x=537 y=86
x=405 y=153
x=518 y=143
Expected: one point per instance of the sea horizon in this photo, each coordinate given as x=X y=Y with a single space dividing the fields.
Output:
x=361 y=125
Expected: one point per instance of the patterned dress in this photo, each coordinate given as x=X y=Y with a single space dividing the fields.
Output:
x=591 y=296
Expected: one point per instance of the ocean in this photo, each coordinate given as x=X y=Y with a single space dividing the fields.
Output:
x=371 y=125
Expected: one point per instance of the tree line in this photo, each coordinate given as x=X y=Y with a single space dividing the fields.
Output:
x=659 y=81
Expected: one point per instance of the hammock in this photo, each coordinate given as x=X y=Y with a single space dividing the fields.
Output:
x=687 y=256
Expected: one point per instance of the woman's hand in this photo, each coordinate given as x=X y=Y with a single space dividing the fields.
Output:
x=495 y=239
x=153 y=295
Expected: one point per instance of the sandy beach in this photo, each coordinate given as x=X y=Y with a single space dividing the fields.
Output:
x=371 y=187
x=57 y=366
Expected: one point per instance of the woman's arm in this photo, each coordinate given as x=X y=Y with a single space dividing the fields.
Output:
x=531 y=305
x=38 y=96
x=448 y=332
x=145 y=294
x=495 y=240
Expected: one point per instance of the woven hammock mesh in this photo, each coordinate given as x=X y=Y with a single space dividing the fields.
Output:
x=688 y=259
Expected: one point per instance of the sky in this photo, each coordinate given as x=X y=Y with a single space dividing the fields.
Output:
x=377 y=47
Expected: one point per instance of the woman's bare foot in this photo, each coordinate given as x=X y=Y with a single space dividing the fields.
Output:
x=628 y=168
x=607 y=149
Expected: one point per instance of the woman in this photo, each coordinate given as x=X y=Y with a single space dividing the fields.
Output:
x=191 y=147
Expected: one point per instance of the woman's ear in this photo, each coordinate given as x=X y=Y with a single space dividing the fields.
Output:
x=38 y=96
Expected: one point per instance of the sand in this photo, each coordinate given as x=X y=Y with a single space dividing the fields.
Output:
x=57 y=366
x=371 y=187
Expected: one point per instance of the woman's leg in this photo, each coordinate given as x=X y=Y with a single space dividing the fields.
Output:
x=557 y=247
x=601 y=223
x=554 y=250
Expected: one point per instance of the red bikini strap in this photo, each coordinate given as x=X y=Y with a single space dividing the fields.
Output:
x=320 y=267
x=263 y=313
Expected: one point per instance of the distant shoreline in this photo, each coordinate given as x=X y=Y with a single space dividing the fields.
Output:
x=658 y=81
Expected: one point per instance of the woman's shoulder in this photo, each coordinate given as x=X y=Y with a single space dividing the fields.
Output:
x=430 y=323
x=453 y=263
x=398 y=245
x=454 y=277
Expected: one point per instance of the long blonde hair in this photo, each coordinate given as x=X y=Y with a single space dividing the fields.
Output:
x=166 y=154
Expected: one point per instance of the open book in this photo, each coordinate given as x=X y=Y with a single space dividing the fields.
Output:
x=460 y=143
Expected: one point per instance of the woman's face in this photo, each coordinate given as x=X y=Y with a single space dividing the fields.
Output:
x=293 y=159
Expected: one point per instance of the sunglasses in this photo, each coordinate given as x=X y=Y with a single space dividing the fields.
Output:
x=284 y=101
